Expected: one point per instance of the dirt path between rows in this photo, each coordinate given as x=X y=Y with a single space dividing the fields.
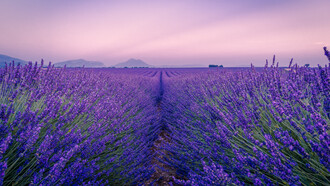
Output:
x=163 y=173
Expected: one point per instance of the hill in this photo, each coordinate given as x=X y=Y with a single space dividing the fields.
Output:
x=132 y=63
x=80 y=63
x=7 y=59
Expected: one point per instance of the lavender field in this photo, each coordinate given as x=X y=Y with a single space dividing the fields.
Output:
x=102 y=126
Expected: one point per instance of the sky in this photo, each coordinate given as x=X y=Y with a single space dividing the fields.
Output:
x=167 y=32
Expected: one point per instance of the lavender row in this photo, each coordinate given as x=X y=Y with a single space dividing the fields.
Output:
x=75 y=126
x=264 y=127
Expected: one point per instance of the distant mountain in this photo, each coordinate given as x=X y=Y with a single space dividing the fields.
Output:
x=133 y=63
x=80 y=63
x=7 y=59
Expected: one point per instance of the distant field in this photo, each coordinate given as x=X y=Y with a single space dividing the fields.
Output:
x=197 y=126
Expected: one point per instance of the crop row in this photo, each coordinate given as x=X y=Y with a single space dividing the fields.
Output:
x=246 y=127
x=65 y=126
x=261 y=126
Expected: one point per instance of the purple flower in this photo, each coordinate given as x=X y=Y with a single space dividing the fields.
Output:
x=4 y=144
x=3 y=167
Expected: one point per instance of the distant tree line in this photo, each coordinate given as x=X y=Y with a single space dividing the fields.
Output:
x=212 y=66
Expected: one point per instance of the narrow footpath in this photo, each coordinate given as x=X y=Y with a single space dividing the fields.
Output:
x=163 y=173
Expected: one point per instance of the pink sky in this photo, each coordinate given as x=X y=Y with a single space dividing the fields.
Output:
x=169 y=32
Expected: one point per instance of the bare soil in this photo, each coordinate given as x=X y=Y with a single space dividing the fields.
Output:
x=163 y=173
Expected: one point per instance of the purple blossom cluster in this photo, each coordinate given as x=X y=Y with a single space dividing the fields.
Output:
x=240 y=126
x=76 y=126
x=262 y=126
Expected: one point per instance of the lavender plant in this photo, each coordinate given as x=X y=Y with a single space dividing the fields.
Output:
x=66 y=126
x=261 y=126
x=248 y=127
